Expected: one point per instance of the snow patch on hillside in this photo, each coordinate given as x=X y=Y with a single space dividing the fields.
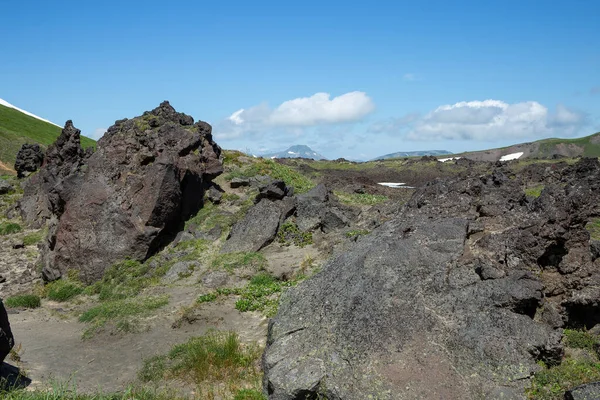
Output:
x=513 y=156
x=7 y=104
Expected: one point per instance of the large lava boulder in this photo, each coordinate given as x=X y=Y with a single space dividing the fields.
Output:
x=131 y=196
x=459 y=296
x=29 y=159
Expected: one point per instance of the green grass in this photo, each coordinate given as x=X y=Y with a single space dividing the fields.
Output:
x=364 y=199
x=231 y=261
x=59 y=391
x=261 y=294
x=551 y=383
x=249 y=394
x=124 y=314
x=289 y=175
x=33 y=237
x=8 y=228
x=534 y=191
x=589 y=149
x=23 y=301
x=211 y=358
x=17 y=129
x=126 y=279
x=356 y=233
x=581 y=340
x=593 y=227
x=289 y=234
x=209 y=216
x=63 y=290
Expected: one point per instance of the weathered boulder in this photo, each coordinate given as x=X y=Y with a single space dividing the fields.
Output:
x=259 y=226
x=589 y=391
x=458 y=296
x=29 y=159
x=127 y=199
x=318 y=209
x=7 y=340
x=273 y=190
x=5 y=187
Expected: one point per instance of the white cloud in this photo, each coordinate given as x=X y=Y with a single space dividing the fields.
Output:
x=98 y=133
x=296 y=114
x=487 y=120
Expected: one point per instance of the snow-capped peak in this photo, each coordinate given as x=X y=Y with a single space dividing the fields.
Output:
x=7 y=104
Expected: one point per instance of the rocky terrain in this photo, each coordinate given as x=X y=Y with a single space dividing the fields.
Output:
x=160 y=265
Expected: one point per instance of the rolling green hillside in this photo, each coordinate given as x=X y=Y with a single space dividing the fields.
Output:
x=17 y=128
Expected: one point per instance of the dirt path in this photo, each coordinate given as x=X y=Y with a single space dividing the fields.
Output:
x=52 y=347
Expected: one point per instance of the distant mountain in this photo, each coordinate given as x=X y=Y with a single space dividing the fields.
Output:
x=588 y=146
x=18 y=126
x=296 y=151
x=401 y=154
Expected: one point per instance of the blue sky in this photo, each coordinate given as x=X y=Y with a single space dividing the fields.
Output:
x=354 y=80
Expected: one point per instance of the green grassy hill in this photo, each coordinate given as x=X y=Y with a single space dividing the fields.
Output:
x=17 y=128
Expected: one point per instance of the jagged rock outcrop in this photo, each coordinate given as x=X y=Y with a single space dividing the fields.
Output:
x=129 y=197
x=457 y=297
x=46 y=192
x=590 y=391
x=318 y=209
x=7 y=340
x=29 y=159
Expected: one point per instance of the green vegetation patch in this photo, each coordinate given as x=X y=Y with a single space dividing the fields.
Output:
x=593 y=227
x=126 y=279
x=123 y=313
x=213 y=357
x=261 y=294
x=361 y=199
x=63 y=290
x=209 y=216
x=356 y=233
x=289 y=234
x=8 y=228
x=289 y=175
x=23 y=301
x=34 y=237
x=551 y=383
x=577 y=339
x=534 y=191
x=66 y=392
x=231 y=261
x=249 y=394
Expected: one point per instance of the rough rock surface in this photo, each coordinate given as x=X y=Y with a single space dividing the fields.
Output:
x=128 y=198
x=5 y=187
x=259 y=226
x=29 y=159
x=590 y=391
x=46 y=193
x=456 y=297
x=7 y=340
x=318 y=209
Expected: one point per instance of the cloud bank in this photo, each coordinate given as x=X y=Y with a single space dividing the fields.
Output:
x=318 y=109
x=484 y=120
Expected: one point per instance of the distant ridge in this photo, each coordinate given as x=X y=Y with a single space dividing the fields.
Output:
x=401 y=154
x=296 y=151
x=18 y=126
x=587 y=146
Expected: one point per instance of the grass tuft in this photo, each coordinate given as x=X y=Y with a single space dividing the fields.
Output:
x=231 y=261
x=8 y=228
x=213 y=357
x=23 y=301
x=63 y=290
x=534 y=191
x=551 y=383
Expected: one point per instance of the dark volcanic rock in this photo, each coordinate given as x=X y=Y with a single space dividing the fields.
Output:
x=29 y=159
x=318 y=209
x=7 y=340
x=590 y=391
x=46 y=193
x=131 y=197
x=259 y=226
x=5 y=187
x=274 y=190
x=458 y=296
